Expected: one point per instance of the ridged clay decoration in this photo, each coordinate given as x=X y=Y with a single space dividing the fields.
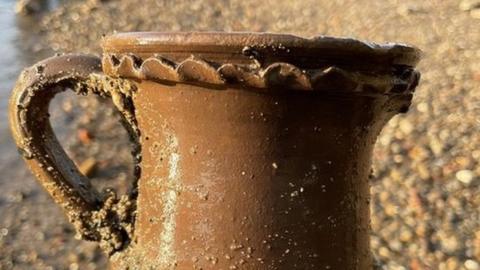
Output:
x=275 y=75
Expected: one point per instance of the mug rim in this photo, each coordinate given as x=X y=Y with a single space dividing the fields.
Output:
x=263 y=61
x=335 y=49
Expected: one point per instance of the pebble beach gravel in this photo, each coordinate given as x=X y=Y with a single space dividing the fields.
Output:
x=426 y=191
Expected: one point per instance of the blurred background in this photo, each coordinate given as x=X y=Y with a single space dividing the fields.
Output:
x=426 y=190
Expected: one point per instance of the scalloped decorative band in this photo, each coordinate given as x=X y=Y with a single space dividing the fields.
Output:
x=401 y=80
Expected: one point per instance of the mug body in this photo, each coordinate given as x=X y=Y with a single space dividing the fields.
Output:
x=251 y=150
x=256 y=148
x=242 y=179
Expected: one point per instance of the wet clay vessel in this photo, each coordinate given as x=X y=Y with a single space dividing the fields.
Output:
x=252 y=150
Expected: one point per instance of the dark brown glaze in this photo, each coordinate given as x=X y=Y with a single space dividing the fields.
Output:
x=256 y=148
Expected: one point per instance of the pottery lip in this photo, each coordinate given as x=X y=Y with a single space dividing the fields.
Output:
x=263 y=61
x=305 y=52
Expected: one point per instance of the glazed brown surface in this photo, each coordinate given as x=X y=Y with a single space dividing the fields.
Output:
x=263 y=60
x=263 y=166
x=236 y=178
x=224 y=45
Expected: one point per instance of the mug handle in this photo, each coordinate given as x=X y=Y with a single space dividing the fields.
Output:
x=102 y=218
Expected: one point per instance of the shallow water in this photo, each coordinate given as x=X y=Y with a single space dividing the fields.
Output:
x=10 y=65
x=9 y=53
x=20 y=47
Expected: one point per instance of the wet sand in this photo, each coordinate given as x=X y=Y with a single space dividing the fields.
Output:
x=426 y=192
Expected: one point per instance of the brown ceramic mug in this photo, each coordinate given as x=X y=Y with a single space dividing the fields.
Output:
x=252 y=150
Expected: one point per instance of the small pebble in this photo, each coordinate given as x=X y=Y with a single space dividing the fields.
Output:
x=85 y=136
x=471 y=265
x=464 y=176
x=406 y=126
x=29 y=7
x=475 y=13
x=88 y=166
x=467 y=5
x=4 y=232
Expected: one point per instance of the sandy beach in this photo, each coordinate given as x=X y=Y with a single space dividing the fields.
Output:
x=426 y=191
